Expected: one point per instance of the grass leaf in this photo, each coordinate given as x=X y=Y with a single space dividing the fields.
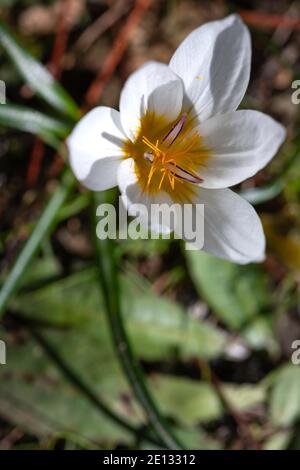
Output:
x=29 y=120
x=37 y=76
x=31 y=246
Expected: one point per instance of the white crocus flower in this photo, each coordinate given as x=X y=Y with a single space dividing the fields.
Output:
x=178 y=138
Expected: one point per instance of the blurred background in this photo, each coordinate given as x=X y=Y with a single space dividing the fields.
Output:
x=215 y=340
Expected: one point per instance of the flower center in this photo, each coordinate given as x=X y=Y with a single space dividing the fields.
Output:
x=167 y=157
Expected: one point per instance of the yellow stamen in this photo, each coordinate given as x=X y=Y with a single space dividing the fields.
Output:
x=166 y=154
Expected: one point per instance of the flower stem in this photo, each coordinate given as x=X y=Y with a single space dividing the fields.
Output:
x=110 y=286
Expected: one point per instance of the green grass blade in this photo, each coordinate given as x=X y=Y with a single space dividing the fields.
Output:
x=29 y=120
x=37 y=76
x=40 y=231
x=268 y=192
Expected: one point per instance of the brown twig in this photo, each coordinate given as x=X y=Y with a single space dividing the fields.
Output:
x=35 y=161
x=8 y=441
x=55 y=64
x=116 y=53
x=102 y=24
x=281 y=34
x=247 y=439
x=56 y=166
x=269 y=21
x=61 y=39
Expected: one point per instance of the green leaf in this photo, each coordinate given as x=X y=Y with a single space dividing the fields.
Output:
x=47 y=405
x=260 y=335
x=279 y=441
x=190 y=401
x=78 y=203
x=41 y=272
x=245 y=396
x=265 y=193
x=158 y=327
x=140 y=247
x=37 y=76
x=285 y=396
x=235 y=293
x=194 y=438
x=29 y=120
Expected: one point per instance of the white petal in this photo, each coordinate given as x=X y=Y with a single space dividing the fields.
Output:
x=126 y=175
x=132 y=195
x=232 y=228
x=95 y=148
x=241 y=144
x=214 y=63
x=153 y=87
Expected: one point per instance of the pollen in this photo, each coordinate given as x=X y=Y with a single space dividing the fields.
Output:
x=167 y=157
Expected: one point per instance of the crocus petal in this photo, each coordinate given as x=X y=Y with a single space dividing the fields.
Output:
x=232 y=228
x=154 y=87
x=214 y=63
x=241 y=144
x=132 y=195
x=95 y=148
